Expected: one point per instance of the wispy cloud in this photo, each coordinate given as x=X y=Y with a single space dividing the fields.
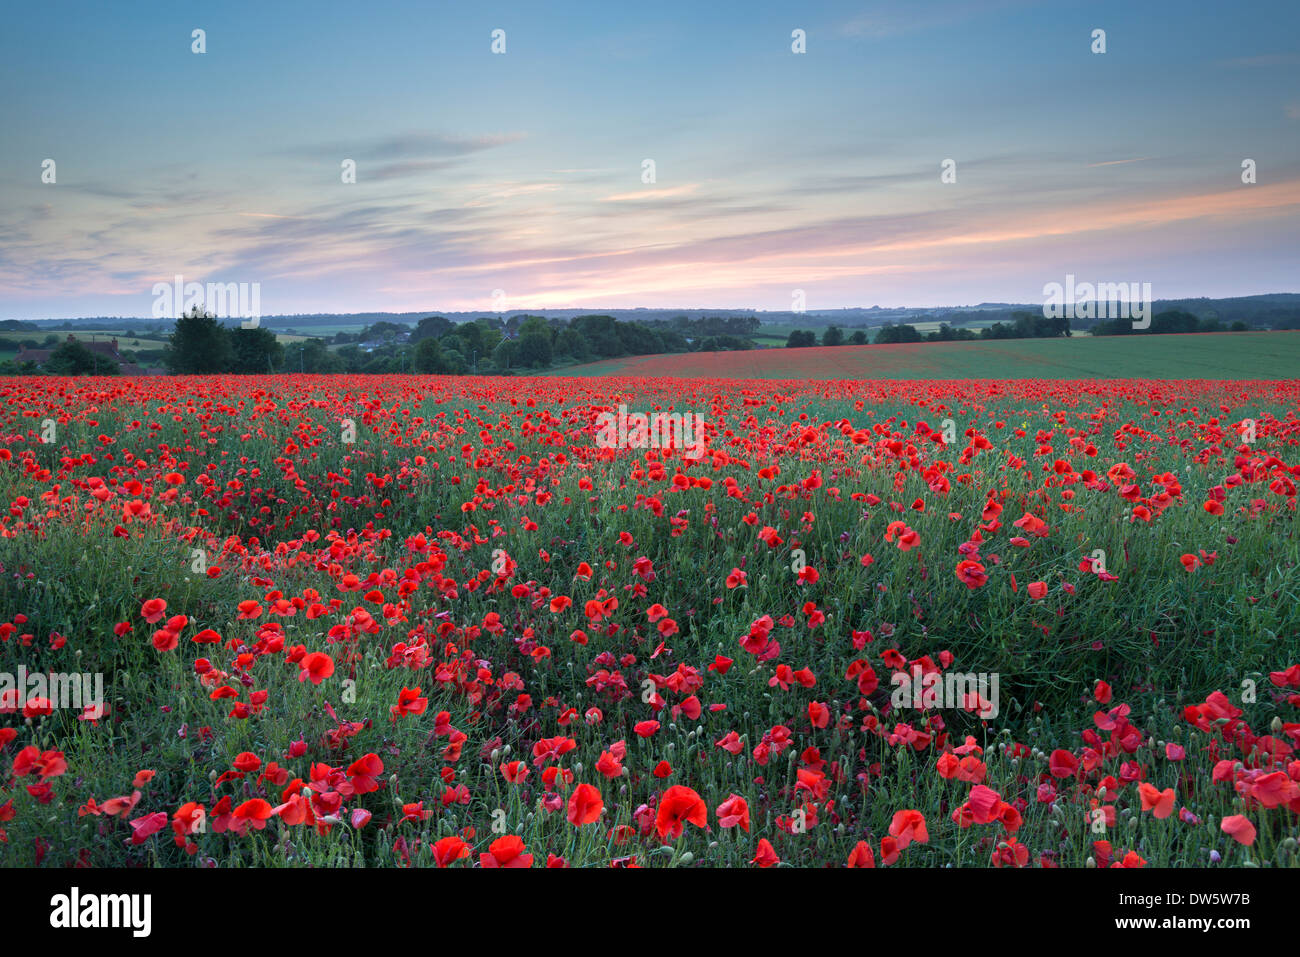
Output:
x=1136 y=159
x=652 y=194
x=413 y=145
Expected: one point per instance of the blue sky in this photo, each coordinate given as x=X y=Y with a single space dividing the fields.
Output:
x=522 y=172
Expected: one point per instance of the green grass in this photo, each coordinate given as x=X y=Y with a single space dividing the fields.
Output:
x=1245 y=355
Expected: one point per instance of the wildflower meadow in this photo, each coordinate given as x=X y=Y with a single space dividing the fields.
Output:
x=408 y=621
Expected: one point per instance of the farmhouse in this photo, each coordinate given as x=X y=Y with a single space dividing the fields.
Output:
x=108 y=350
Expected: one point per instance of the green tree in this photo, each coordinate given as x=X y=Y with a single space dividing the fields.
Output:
x=471 y=334
x=1174 y=320
x=431 y=327
x=570 y=343
x=452 y=342
x=429 y=359
x=256 y=351
x=506 y=355
x=456 y=362
x=316 y=357
x=535 y=348
x=72 y=358
x=833 y=336
x=199 y=345
x=600 y=335
x=491 y=338
x=898 y=333
x=384 y=331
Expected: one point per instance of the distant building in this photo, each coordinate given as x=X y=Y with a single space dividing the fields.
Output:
x=391 y=339
x=108 y=350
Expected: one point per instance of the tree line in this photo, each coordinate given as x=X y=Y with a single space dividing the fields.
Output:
x=200 y=344
x=1024 y=325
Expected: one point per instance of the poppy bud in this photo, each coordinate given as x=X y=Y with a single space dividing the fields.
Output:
x=1090 y=863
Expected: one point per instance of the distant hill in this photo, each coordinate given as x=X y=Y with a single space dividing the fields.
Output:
x=1265 y=311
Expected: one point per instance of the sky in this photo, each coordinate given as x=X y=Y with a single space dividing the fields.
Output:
x=516 y=180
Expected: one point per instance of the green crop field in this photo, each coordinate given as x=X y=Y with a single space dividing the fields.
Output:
x=1239 y=355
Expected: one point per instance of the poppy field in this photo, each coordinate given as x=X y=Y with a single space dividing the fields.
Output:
x=406 y=621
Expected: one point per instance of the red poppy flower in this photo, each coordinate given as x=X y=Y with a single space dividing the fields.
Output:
x=678 y=806
x=585 y=805
x=508 y=851
x=734 y=812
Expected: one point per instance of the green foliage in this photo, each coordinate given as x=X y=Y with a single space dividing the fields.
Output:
x=535 y=348
x=892 y=334
x=255 y=351
x=570 y=343
x=73 y=358
x=199 y=345
x=434 y=327
x=314 y=357
x=429 y=359
x=506 y=355
x=1169 y=322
